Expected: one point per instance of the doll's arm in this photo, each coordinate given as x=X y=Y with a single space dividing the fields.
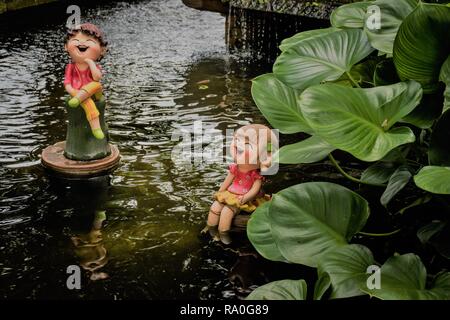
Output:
x=96 y=73
x=227 y=182
x=253 y=192
x=70 y=90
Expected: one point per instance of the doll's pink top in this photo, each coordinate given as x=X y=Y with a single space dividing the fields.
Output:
x=76 y=77
x=243 y=181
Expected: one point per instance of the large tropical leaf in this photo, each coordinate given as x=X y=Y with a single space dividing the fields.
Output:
x=349 y=15
x=392 y=14
x=311 y=218
x=310 y=34
x=403 y=277
x=444 y=76
x=439 y=151
x=397 y=182
x=278 y=103
x=360 y=121
x=310 y=150
x=347 y=269
x=260 y=234
x=321 y=58
x=423 y=44
x=434 y=179
x=280 y=290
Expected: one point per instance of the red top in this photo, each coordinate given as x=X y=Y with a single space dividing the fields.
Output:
x=243 y=181
x=76 y=77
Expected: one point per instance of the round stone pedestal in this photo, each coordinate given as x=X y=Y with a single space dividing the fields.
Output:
x=53 y=158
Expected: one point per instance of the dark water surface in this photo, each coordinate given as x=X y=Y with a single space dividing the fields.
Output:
x=148 y=246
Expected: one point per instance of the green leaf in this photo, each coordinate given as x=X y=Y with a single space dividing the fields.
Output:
x=397 y=182
x=349 y=15
x=280 y=290
x=301 y=36
x=310 y=150
x=321 y=286
x=259 y=233
x=422 y=45
x=278 y=103
x=363 y=72
x=444 y=76
x=392 y=13
x=311 y=218
x=359 y=121
x=347 y=269
x=437 y=234
x=403 y=277
x=439 y=151
x=434 y=179
x=321 y=58
x=379 y=172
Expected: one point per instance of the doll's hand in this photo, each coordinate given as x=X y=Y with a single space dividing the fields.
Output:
x=89 y=61
x=242 y=199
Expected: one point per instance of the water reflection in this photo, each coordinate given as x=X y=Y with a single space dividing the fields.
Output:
x=90 y=249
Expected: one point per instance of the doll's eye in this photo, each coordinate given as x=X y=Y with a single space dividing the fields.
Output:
x=91 y=41
x=75 y=40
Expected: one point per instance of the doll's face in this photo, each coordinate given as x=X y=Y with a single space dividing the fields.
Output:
x=82 y=46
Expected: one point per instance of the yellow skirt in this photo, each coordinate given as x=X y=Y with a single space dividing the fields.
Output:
x=231 y=199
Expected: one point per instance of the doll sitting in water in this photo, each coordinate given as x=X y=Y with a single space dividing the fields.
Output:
x=242 y=188
x=85 y=45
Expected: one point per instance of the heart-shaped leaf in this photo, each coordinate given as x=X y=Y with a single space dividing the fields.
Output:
x=347 y=269
x=390 y=14
x=260 y=234
x=322 y=57
x=422 y=44
x=349 y=15
x=403 y=277
x=278 y=103
x=434 y=179
x=280 y=290
x=359 y=121
x=379 y=172
x=310 y=150
x=311 y=218
x=309 y=34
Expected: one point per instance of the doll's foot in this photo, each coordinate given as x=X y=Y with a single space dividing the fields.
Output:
x=225 y=237
x=74 y=102
x=98 y=133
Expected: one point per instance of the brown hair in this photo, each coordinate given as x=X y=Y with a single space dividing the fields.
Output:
x=90 y=30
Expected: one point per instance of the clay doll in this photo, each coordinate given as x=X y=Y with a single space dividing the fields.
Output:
x=242 y=188
x=86 y=46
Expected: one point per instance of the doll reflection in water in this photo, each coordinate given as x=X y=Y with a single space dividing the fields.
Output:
x=242 y=188
x=90 y=249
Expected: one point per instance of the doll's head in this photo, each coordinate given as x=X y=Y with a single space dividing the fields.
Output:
x=252 y=146
x=85 y=41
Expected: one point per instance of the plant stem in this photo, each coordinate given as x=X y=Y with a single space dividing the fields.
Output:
x=380 y=234
x=345 y=174
x=352 y=80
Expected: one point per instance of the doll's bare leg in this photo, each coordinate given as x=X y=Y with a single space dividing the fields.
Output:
x=226 y=218
x=213 y=219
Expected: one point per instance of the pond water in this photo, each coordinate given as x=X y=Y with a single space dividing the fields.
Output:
x=148 y=246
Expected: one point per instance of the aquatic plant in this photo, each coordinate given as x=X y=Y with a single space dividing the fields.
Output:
x=381 y=94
